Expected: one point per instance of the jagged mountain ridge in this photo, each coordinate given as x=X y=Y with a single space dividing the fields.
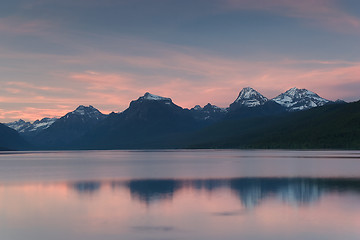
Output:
x=31 y=128
x=68 y=128
x=332 y=126
x=251 y=103
x=19 y=125
x=150 y=121
x=153 y=121
x=209 y=113
x=293 y=99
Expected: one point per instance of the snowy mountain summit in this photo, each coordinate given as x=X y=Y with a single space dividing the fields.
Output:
x=250 y=98
x=42 y=124
x=296 y=99
x=31 y=127
x=20 y=125
x=87 y=112
x=152 y=97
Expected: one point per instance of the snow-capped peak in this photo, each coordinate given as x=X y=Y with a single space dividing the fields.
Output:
x=298 y=93
x=250 y=98
x=26 y=127
x=42 y=124
x=82 y=110
x=88 y=112
x=152 y=97
x=19 y=125
x=296 y=99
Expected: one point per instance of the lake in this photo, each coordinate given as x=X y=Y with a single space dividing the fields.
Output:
x=184 y=194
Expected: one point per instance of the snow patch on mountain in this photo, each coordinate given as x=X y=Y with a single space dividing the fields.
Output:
x=42 y=124
x=152 y=97
x=19 y=125
x=22 y=126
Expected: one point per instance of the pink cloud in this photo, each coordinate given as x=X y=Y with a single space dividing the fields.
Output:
x=27 y=86
x=30 y=113
x=97 y=80
x=13 y=90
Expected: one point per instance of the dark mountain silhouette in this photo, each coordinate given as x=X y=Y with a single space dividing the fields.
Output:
x=209 y=113
x=67 y=129
x=330 y=126
x=297 y=118
x=11 y=140
x=150 y=122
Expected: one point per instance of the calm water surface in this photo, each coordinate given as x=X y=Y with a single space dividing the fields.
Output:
x=200 y=194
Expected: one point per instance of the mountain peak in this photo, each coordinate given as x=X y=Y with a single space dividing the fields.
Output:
x=153 y=97
x=197 y=108
x=82 y=110
x=20 y=121
x=82 y=107
x=296 y=99
x=208 y=107
x=250 y=98
x=296 y=92
x=27 y=127
x=340 y=101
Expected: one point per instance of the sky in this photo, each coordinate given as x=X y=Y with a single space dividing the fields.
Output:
x=56 y=55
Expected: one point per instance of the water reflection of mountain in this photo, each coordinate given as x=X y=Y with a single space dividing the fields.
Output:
x=293 y=191
x=251 y=191
x=86 y=187
x=151 y=190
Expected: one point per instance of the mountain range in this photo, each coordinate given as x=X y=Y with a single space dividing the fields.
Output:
x=151 y=121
